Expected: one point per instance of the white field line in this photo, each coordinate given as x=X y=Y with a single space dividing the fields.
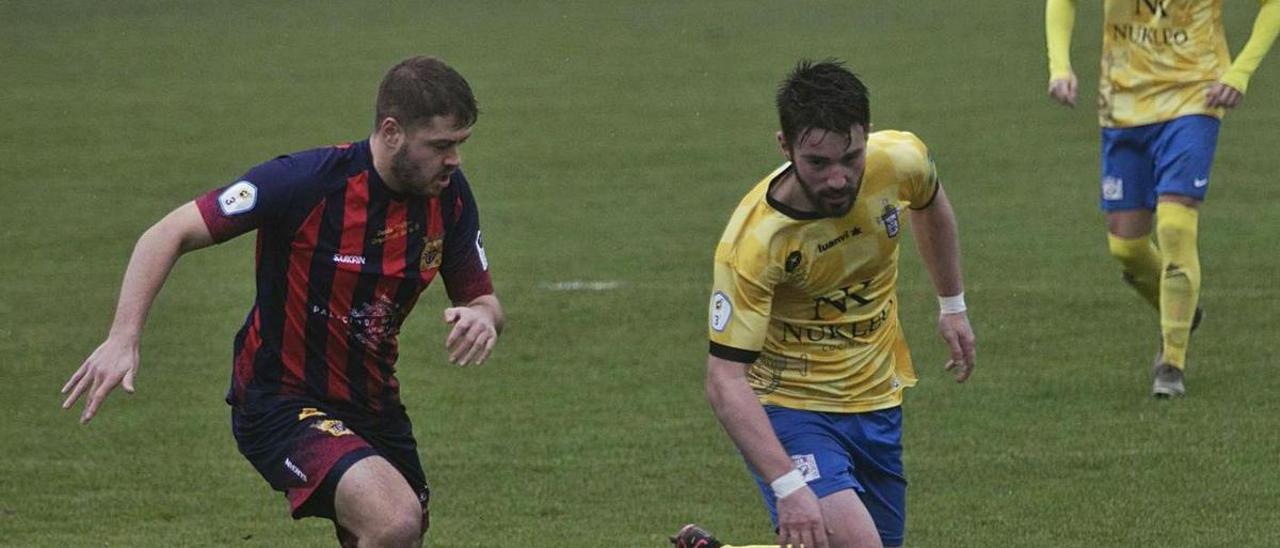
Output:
x=582 y=285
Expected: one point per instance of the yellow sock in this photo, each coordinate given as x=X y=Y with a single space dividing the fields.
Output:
x=1141 y=261
x=1176 y=227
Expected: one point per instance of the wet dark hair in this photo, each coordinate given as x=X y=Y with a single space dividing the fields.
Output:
x=823 y=95
x=421 y=88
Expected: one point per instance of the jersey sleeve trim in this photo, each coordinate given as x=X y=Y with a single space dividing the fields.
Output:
x=733 y=354
x=220 y=227
x=932 y=197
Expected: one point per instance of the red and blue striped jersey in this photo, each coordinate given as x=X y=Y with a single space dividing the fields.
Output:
x=341 y=260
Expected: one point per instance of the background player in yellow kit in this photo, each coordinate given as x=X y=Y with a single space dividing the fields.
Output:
x=1166 y=80
x=807 y=361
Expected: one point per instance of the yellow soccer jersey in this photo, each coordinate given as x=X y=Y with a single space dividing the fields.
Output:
x=1159 y=58
x=811 y=302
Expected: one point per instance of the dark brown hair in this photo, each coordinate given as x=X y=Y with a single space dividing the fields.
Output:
x=421 y=88
x=821 y=95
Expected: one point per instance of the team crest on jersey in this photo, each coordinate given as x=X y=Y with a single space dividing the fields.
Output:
x=721 y=311
x=334 y=428
x=889 y=218
x=238 y=198
x=432 y=251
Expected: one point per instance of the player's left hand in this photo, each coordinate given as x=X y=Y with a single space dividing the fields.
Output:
x=1063 y=90
x=472 y=336
x=1223 y=95
x=958 y=334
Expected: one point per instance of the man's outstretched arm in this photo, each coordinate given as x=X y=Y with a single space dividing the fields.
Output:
x=116 y=360
x=938 y=241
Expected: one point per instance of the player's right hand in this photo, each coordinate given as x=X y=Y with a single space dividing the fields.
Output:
x=1063 y=90
x=1223 y=95
x=800 y=520
x=114 y=362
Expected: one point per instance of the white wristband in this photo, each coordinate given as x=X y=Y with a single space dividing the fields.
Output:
x=953 y=304
x=787 y=483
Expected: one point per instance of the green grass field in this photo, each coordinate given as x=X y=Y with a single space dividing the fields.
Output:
x=615 y=139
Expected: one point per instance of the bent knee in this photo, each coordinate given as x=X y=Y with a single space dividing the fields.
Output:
x=850 y=539
x=1127 y=250
x=401 y=528
x=1176 y=226
x=404 y=529
x=1175 y=235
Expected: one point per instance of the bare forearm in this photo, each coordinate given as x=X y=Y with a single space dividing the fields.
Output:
x=743 y=418
x=153 y=258
x=938 y=241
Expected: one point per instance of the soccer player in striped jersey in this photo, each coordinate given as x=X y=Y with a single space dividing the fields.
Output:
x=347 y=238
x=808 y=363
x=1167 y=79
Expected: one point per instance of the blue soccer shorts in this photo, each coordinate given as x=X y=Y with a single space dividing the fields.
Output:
x=1142 y=163
x=838 y=451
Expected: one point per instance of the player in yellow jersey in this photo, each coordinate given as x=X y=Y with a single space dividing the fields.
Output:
x=1166 y=80
x=807 y=361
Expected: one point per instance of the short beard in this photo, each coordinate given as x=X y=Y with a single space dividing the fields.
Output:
x=819 y=205
x=404 y=171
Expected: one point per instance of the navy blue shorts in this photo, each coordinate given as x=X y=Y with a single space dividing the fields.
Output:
x=838 y=451
x=302 y=447
x=1141 y=163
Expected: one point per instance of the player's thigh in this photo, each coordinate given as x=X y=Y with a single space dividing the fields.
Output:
x=1128 y=169
x=372 y=498
x=1184 y=157
x=849 y=524
x=297 y=448
x=816 y=450
x=394 y=440
x=876 y=447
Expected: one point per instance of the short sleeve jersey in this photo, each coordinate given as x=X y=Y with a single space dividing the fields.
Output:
x=810 y=302
x=341 y=261
x=1159 y=58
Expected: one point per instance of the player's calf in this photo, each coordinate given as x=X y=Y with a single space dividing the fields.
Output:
x=1141 y=263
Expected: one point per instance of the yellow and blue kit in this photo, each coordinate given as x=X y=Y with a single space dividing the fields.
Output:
x=810 y=302
x=1160 y=57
